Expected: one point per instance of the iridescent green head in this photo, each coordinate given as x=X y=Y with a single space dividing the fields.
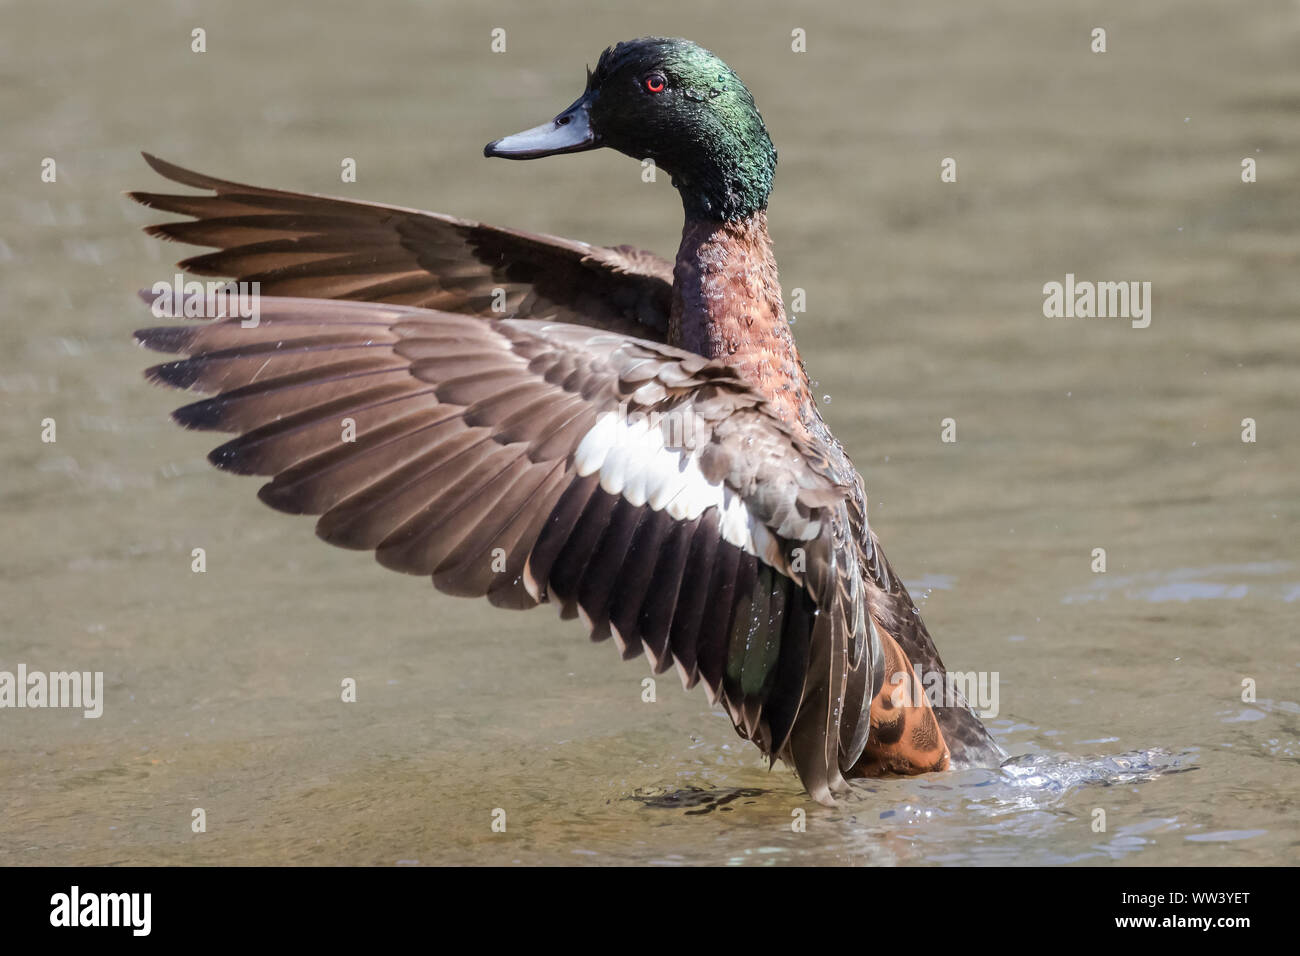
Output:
x=677 y=104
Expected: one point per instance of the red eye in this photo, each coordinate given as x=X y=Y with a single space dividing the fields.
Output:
x=654 y=83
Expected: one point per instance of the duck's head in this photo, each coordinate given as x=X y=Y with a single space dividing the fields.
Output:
x=677 y=104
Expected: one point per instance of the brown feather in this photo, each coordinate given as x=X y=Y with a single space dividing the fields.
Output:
x=298 y=244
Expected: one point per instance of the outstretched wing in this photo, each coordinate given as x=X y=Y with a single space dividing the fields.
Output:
x=644 y=488
x=297 y=244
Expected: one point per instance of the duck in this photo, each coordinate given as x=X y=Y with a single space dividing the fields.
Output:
x=537 y=420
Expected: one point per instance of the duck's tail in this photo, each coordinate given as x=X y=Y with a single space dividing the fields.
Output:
x=920 y=720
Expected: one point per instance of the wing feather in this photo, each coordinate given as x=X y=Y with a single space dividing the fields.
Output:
x=521 y=460
x=298 y=244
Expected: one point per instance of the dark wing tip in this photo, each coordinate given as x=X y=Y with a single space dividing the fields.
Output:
x=204 y=416
x=163 y=230
x=232 y=457
x=171 y=339
x=180 y=374
x=150 y=199
x=179 y=174
x=278 y=495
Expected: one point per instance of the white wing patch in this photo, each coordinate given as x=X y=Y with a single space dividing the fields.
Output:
x=630 y=453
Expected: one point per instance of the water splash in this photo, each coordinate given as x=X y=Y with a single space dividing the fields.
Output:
x=1059 y=773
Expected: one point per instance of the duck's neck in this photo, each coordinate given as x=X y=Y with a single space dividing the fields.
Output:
x=727 y=306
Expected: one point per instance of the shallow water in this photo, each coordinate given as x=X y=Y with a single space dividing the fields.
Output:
x=1119 y=692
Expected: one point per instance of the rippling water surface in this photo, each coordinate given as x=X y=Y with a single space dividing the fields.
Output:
x=1158 y=698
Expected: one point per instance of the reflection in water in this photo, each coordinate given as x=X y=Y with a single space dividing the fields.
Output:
x=695 y=800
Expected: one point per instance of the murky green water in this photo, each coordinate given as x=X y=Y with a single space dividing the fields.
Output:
x=924 y=303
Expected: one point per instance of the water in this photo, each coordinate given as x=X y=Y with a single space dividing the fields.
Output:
x=1119 y=692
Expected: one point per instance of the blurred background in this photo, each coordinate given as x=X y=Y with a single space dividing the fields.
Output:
x=924 y=302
